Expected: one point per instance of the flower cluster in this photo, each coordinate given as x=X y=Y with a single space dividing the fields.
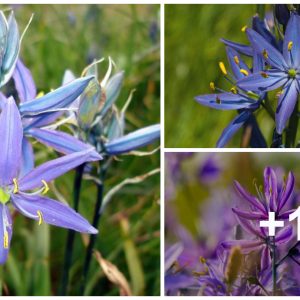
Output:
x=275 y=66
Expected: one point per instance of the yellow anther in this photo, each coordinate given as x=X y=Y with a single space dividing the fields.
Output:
x=46 y=187
x=245 y=72
x=236 y=59
x=40 y=215
x=264 y=74
x=222 y=67
x=5 y=240
x=16 y=186
x=290 y=45
x=218 y=100
x=212 y=86
x=233 y=90
x=243 y=29
x=202 y=259
x=265 y=54
x=40 y=94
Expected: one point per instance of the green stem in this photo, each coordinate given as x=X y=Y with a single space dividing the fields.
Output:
x=96 y=219
x=71 y=233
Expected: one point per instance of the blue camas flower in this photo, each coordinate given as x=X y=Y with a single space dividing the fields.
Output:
x=283 y=70
x=26 y=192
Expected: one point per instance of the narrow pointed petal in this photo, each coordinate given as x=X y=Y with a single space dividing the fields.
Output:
x=249 y=227
x=12 y=50
x=232 y=128
x=24 y=82
x=260 y=45
x=27 y=157
x=258 y=82
x=51 y=212
x=236 y=63
x=171 y=255
x=53 y=169
x=61 y=141
x=250 y=215
x=133 y=140
x=244 y=49
x=5 y=232
x=251 y=199
x=292 y=34
x=284 y=235
x=270 y=187
x=225 y=101
x=265 y=261
x=285 y=215
x=53 y=101
x=11 y=135
x=258 y=63
x=244 y=244
x=43 y=119
x=286 y=105
x=288 y=191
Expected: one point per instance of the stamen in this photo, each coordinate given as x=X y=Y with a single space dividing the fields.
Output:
x=202 y=260
x=243 y=29
x=39 y=95
x=236 y=59
x=46 y=187
x=233 y=90
x=5 y=240
x=40 y=215
x=264 y=74
x=212 y=86
x=218 y=100
x=265 y=54
x=222 y=67
x=16 y=186
x=245 y=72
x=290 y=45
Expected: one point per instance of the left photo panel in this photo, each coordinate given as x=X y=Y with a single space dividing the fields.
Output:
x=80 y=150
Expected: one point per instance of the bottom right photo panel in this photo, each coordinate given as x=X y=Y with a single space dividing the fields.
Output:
x=232 y=224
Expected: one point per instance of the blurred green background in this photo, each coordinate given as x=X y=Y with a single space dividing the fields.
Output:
x=192 y=52
x=64 y=37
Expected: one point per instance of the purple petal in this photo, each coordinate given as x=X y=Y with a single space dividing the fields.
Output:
x=251 y=215
x=53 y=169
x=51 y=212
x=61 y=141
x=284 y=235
x=11 y=135
x=286 y=105
x=265 y=261
x=172 y=254
x=225 y=101
x=232 y=128
x=27 y=157
x=285 y=215
x=292 y=34
x=270 y=187
x=249 y=227
x=251 y=199
x=24 y=83
x=246 y=245
x=5 y=232
x=236 y=67
x=288 y=191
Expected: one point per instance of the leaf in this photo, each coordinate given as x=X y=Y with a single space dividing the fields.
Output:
x=234 y=266
x=114 y=275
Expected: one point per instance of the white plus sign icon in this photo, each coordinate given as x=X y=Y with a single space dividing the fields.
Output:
x=272 y=224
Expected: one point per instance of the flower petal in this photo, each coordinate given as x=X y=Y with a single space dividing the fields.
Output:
x=24 y=82
x=133 y=140
x=288 y=191
x=236 y=63
x=5 y=232
x=244 y=244
x=225 y=101
x=286 y=105
x=58 y=99
x=270 y=187
x=265 y=261
x=11 y=135
x=284 y=235
x=27 y=157
x=251 y=199
x=51 y=212
x=249 y=227
x=232 y=128
x=260 y=45
x=53 y=169
x=285 y=215
x=250 y=215
x=292 y=34
x=244 y=49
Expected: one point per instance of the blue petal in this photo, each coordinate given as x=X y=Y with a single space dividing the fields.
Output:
x=53 y=101
x=232 y=128
x=292 y=34
x=24 y=83
x=236 y=67
x=27 y=157
x=11 y=135
x=5 y=232
x=258 y=63
x=225 y=101
x=260 y=45
x=244 y=49
x=133 y=140
x=52 y=212
x=286 y=105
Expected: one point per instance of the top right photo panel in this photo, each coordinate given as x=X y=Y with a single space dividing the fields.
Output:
x=232 y=76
